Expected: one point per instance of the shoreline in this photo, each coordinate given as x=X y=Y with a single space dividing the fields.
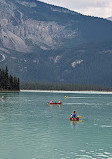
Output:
x=7 y=91
x=60 y=91
x=64 y=91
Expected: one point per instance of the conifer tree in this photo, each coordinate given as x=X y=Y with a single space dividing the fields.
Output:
x=7 y=81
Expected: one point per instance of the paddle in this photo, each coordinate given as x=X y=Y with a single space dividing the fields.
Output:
x=79 y=116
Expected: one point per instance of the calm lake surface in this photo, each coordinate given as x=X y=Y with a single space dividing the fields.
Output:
x=32 y=129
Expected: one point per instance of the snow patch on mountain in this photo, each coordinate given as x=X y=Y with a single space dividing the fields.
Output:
x=107 y=52
x=3 y=57
x=57 y=58
x=77 y=62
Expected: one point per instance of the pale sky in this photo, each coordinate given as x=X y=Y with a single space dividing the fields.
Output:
x=98 y=8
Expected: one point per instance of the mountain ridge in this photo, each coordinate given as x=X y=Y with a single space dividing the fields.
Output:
x=109 y=18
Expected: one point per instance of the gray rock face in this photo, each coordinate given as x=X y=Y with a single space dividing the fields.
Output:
x=16 y=32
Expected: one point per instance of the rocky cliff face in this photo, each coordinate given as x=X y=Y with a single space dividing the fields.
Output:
x=18 y=31
x=41 y=42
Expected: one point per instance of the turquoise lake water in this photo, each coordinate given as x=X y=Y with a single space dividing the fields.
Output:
x=31 y=129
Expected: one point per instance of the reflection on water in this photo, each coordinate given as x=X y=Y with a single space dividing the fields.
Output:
x=73 y=123
x=57 y=105
x=32 y=129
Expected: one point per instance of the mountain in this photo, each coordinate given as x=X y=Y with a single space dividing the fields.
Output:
x=109 y=18
x=42 y=42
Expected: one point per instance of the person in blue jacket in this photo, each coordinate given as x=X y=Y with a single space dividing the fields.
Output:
x=74 y=115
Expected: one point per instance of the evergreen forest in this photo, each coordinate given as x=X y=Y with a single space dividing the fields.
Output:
x=7 y=81
x=63 y=86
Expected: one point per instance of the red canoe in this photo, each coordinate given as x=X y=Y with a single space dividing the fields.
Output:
x=54 y=103
x=74 y=119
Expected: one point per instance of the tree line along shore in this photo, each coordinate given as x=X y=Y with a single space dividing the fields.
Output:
x=8 y=82
x=62 y=86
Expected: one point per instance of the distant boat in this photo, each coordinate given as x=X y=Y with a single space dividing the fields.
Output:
x=3 y=97
x=55 y=102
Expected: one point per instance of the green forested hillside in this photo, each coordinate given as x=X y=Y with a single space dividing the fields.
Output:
x=63 y=86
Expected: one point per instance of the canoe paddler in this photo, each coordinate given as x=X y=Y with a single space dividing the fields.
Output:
x=74 y=115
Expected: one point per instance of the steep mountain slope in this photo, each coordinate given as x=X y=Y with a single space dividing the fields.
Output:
x=41 y=42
